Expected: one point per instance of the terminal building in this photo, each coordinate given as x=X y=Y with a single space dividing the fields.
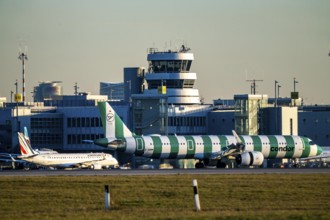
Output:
x=161 y=99
x=62 y=123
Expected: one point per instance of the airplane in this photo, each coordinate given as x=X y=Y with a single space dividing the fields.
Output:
x=64 y=160
x=209 y=150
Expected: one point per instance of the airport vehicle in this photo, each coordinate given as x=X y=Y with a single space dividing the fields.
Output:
x=64 y=160
x=208 y=149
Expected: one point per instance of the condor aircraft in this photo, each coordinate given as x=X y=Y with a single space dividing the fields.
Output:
x=55 y=159
x=208 y=149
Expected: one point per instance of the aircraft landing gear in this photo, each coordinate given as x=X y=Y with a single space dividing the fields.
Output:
x=199 y=165
x=296 y=163
x=221 y=164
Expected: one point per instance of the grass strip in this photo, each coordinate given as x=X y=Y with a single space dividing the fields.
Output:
x=267 y=196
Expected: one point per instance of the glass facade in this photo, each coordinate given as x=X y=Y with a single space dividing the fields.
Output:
x=83 y=122
x=171 y=83
x=47 y=131
x=187 y=121
x=247 y=113
x=162 y=66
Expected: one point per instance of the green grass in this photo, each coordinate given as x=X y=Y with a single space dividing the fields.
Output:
x=275 y=196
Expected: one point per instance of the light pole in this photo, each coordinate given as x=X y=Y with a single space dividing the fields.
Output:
x=11 y=96
x=16 y=85
x=275 y=93
x=294 y=89
x=276 y=82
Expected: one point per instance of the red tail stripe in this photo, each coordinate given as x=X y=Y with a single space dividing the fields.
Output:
x=22 y=149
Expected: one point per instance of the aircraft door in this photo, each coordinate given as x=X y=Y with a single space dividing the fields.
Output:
x=190 y=145
x=139 y=146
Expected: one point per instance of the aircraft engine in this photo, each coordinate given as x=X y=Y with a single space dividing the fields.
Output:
x=96 y=166
x=253 y=158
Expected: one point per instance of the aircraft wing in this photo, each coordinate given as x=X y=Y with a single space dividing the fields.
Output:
x=8 y=157
x=26 y=156
x=232 y=149
x=7 y=160
x=11 y=158
x=325 y=154
x=216 y=155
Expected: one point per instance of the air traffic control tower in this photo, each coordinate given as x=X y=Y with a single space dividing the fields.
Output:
x=169 y=102
x=168 y=73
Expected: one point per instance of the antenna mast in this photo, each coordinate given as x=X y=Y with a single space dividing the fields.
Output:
x=76 y=87
x=23 y=57
x=253 y=84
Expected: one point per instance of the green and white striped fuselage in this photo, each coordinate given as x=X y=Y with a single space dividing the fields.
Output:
x=247 y=150
x=204 y=146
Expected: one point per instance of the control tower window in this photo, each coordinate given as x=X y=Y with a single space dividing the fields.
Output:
x=174 y=83
x=153 y=84
x=170 y=66
x=188 y=65
x=161 y=66
x=177 y=66
x=188 y=83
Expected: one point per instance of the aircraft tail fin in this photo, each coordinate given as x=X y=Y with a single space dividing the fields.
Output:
x=24 y=145
x=26 y=135
x=113 y=126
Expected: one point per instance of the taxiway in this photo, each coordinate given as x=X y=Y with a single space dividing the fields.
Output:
x=80 y=172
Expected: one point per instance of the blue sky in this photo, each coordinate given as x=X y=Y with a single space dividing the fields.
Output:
x=92 y=41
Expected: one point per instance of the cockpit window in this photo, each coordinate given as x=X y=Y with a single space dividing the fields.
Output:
x=311 y=143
